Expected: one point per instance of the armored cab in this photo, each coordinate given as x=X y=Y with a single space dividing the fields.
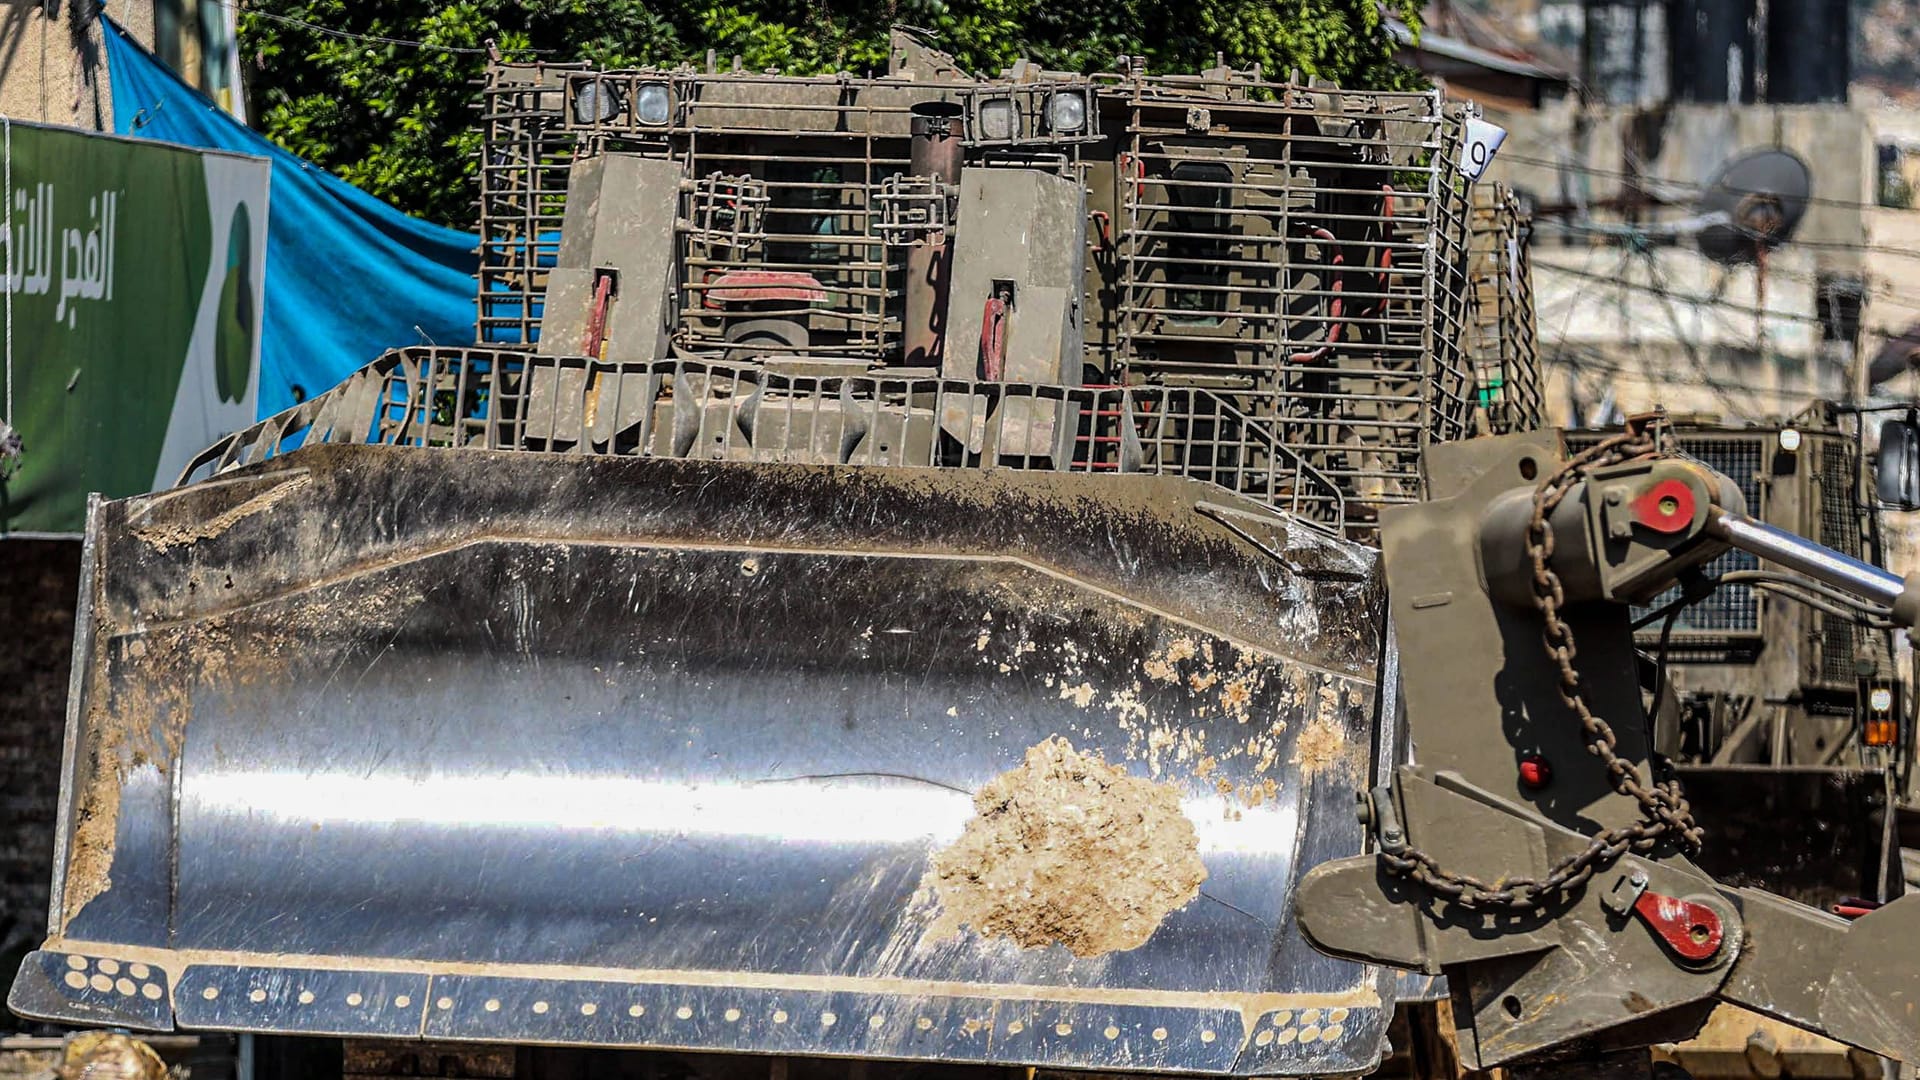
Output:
x=890 y=583
x=1268 y=262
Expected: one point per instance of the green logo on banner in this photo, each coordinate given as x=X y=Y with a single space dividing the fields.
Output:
x=233 y=354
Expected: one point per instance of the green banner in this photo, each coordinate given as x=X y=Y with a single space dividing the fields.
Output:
x=132 y=303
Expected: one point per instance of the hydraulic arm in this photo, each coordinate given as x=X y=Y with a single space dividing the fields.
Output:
x=1536 y=854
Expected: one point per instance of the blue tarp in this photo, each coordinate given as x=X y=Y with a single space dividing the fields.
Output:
x=348 y=276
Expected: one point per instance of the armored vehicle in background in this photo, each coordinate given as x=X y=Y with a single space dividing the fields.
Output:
x=1791 y=718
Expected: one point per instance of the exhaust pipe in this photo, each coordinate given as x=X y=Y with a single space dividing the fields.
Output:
x=934 y=152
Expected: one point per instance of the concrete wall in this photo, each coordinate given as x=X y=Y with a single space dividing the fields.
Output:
x=53 y=66
x=1629 y=319
x=1680 y=148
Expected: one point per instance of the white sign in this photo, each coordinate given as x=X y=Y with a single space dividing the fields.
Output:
x=1483 y=141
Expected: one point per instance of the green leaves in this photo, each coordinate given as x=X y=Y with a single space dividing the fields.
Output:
x=396 y=120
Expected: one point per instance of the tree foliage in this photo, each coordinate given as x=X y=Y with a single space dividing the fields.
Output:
x=396 y=119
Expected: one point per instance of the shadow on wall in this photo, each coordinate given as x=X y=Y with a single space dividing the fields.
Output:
x=54 y=48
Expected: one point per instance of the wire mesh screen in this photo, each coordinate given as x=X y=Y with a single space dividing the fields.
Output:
x=1730 y=609
x=1316 y=282
x=1500 y=325
x=495 y=400
x=524 y=158
x=1840 y=639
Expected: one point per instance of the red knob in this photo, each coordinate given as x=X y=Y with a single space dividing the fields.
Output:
x=1534 y=771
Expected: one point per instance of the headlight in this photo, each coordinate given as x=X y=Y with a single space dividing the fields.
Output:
x=595 y=103
x=1789 y=440
x=651 y=104
x=1880 y=700
x=997 y=120
x=1066 y=111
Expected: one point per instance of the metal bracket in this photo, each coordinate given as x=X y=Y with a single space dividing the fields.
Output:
x=725 y=211
x=914 y=210
x=1625 y=893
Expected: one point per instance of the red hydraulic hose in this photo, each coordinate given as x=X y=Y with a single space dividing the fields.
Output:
x=597 y=322
x=993 y=339
x=1336 y=309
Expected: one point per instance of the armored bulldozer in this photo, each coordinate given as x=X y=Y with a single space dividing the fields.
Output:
x=896 y=581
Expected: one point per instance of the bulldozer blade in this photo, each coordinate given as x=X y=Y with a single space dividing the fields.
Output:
x=535 y=748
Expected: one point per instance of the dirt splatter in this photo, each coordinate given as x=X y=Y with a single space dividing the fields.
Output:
x=140 y=701
x=1322 y=744
x=1068 y=850
x=1235 y=697
x=1329 y=701
x=1164 y=667
x=1081 y=695
x=1263 y=791
x=91 y=856
x=166 y=535
x=1126 y=704
x=1158 y=741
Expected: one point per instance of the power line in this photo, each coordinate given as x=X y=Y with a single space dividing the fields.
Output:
x=1721 y=390
x=1703 y=301
x=380 y=39
x=1694 y=185
x=1882 y=287
x=1819 y=245
x=1585 y=359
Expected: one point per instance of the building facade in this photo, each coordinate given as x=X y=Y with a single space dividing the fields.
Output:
x=53 y=66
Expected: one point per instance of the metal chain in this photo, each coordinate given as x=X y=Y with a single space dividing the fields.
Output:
x=1664 y=811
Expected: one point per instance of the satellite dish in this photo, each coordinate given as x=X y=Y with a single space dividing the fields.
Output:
x=1897 y=357
x=1755 y=201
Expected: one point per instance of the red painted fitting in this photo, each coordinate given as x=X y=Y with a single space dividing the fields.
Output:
x=1535 y=772
x=1665 y=507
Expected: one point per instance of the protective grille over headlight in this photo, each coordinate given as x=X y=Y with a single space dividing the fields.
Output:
x=998 y=120
x=595 y=102
x=1066 y=111
x=652 y=104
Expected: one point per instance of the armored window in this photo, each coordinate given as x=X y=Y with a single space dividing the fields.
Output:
x=1199 y=273
x=805 y=199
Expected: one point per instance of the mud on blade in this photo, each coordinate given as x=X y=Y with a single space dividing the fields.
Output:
x=487 y=746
